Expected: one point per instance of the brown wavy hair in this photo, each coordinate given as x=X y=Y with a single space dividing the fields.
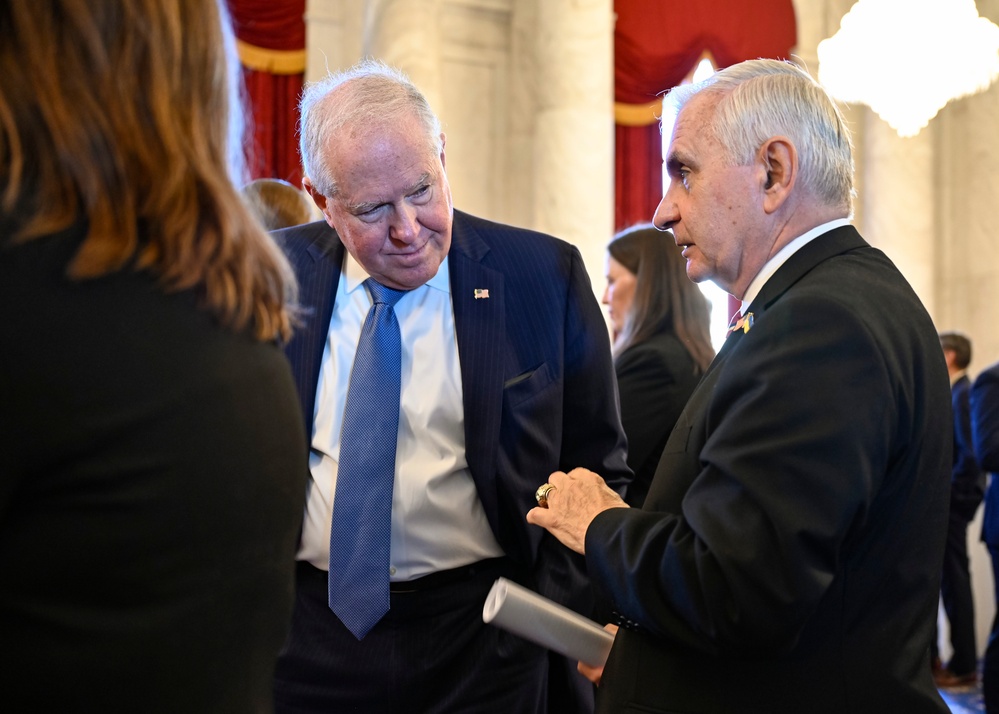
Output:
x=125 y=115
x=665 y=298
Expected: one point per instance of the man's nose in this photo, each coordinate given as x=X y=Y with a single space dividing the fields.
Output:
x=666 y=213
x=404 y=227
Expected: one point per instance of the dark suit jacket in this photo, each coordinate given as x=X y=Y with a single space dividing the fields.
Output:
x=537 y=378
x=788 y=555
x=967 y=479
x=655 y=379
x=985 y=435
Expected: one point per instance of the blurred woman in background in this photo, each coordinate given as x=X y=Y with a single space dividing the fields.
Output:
x=662 y=345
x=152 y=460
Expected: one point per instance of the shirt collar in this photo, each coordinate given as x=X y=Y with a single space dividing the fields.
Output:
x=356 y=275
x=771 y=266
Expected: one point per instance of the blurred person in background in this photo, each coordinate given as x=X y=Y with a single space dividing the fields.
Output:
x=279 y=204
x=967 y=488
x=662 y=344
x=150 y=437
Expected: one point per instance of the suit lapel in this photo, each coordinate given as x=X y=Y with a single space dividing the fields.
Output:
x=836 y=241
x=822 y=248
x=318 y=258
x=480 y=325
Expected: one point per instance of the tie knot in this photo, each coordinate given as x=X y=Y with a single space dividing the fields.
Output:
x=382 y=294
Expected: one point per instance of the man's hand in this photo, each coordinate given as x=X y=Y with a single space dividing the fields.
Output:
x=575 y=501
x=595 y=674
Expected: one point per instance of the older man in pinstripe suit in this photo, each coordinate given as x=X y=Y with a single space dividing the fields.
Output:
x=506 y=376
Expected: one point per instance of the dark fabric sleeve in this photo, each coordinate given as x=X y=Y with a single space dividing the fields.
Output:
x=593 y=439
x=967 y=479
x=788 y=472
x=984 y=408
x=592 y=433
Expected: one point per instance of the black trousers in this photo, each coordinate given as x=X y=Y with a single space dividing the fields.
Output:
x=431 y=654
x=955 y=590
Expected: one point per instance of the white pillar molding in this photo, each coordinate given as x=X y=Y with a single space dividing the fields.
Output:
x=331 y=38
x=900 y=211
x=406 y=34
x=894 y=177
x=574 y=127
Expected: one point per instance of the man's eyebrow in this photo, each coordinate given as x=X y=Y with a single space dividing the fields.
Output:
x=364 y=207
x=673 y=164
x=425 y=179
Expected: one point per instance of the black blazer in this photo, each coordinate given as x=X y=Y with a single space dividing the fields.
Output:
x=536 y=373
x=655 y=378
x=788 y=555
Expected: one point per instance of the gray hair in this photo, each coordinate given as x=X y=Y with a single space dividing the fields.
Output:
x=367 y=93
x=764 y=98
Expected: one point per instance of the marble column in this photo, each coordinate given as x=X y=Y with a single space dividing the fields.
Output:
x=900 y=213
x=574 y=130
x=330 y=40
x=968 y=181
x=406 y=34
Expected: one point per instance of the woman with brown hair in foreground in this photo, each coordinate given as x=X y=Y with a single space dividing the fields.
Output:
x=150 y=435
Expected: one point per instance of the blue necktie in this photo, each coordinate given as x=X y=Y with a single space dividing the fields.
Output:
x=362 y=507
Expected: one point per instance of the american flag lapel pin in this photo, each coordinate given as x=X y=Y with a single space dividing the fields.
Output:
x=480 y=293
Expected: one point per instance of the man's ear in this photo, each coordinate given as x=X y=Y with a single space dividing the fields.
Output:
x=779 y=171
x=443 y=139
x=319 y=199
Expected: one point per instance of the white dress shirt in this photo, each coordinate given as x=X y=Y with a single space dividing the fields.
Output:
x=438 y=522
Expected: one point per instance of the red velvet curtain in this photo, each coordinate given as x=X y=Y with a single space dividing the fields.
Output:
x=271 y=36
x=638 y=173
x=274 y=109
x=656 y=45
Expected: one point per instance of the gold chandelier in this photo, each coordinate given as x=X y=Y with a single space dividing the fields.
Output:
x=906 y=59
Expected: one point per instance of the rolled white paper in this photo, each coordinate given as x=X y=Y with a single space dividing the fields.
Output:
x=546 y=623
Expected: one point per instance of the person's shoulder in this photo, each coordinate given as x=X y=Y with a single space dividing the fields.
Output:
x=299 y=238
x=304 y=230
x=503 y=235
x=988 y=377
x=661 y=351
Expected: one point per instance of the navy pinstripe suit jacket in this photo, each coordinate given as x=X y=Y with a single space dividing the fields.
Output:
x=537 y=376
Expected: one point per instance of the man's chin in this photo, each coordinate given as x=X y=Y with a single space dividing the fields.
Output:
x=411 y=277
x=695 y=274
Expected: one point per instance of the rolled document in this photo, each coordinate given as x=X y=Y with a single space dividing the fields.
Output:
x=546 y=623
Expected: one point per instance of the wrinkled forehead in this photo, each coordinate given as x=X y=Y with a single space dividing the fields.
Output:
x=386 y=147
x=694 y=126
